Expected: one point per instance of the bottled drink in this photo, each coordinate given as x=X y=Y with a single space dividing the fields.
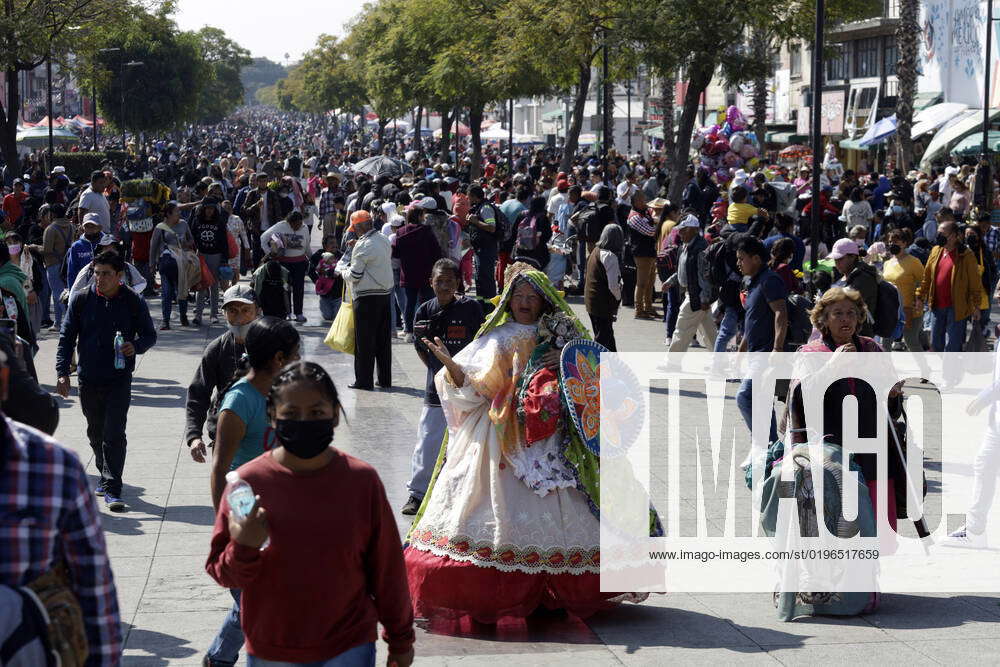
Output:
x=119 y=355
x=241 y=498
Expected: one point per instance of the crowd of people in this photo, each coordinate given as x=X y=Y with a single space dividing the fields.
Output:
x=475 y=274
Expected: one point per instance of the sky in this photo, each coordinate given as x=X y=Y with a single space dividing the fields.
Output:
x=268 y=28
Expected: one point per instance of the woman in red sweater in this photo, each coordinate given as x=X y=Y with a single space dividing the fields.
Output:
x=314 y=594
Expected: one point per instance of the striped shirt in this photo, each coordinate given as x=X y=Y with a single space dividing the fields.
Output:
x=48 y=514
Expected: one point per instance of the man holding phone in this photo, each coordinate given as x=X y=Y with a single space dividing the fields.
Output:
x=93 y=320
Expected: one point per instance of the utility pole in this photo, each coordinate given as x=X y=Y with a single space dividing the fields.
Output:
x=817 y=130
x=628 y=112
x=606 y=138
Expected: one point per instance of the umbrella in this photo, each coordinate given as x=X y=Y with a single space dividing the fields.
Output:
x=495 y=132
x=794 y=152
x=39 y=136
x=382 y=165
x=879 y=132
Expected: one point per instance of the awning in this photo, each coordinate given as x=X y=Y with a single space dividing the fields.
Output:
x=957 y=129
x=972 y=145
x=553 y=116
x=926 y=100
x=852 y=145
x=654 y=132
x=935 y=116
x=785 y=138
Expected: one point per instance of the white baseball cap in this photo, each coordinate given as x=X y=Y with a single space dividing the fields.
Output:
x=689 y=221
x=428 y=203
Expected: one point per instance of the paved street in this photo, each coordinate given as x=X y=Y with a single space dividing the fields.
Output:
x=171 y=609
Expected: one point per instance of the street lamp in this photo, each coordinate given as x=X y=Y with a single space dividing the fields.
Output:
x=93 y=101
x=134 y=63
x=817 y=128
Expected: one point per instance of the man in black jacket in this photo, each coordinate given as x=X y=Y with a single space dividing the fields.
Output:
x=217 y=367
x=94 y=319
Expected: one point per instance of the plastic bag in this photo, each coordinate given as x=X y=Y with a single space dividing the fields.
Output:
x=976 y=342
x=340 y=337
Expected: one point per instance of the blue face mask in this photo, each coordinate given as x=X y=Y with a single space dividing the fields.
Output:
x=898 y=210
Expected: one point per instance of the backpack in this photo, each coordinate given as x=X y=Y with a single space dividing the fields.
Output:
x=799 y=325
x=527 y=233
x=504 y=228
x=666 y=260
x=887 y=306
x=589 y=224
x=272 y=291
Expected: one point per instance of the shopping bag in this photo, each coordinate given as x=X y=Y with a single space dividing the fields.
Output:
x=340 y=337
x=976 y=342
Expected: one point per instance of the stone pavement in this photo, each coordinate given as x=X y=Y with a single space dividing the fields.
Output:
x=171 y=609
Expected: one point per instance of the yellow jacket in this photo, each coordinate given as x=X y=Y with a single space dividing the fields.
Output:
x=966 y=285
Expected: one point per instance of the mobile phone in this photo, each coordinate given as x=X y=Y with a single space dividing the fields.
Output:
x=8 y=327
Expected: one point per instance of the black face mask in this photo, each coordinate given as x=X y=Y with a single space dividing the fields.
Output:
x=972 y=242
x=93 y=238
x=941 y=240
x=305 y=439
x=895 y=249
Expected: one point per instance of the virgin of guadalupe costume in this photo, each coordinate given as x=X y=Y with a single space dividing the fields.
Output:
x=510 y=522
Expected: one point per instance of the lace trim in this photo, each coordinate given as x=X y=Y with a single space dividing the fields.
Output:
x=508 y=557
x=543 y=475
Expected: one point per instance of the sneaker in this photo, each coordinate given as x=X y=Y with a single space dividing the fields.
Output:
x=54 y=328
x=667 y=341
x=411 y=506
x=965 y=539
x=165 y=326
x=300 y=318
x=46 y=324
x=99 y=490
x=196 y=322
x=114 y=503
x=409 y=338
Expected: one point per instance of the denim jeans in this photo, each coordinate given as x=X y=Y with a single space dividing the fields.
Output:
x=671 y=308
x=744 y=400
x=225 y=648
x=414 y=297
x=168 y=288
x=727 y=328
x=430 y=435
x=44 y=297
x=105 y=407
x=947 y=335
x=329 y=306
x=359 y=656
x=56 y=287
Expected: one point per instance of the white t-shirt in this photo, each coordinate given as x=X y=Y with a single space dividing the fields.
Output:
x=96 y=202
x=555 y=201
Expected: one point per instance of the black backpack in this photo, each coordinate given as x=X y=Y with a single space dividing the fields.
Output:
x=589 y=225
x=886 y=313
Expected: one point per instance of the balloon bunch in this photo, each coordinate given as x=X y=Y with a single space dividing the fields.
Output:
x=727 y=147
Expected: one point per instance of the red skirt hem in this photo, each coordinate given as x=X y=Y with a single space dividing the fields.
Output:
x=442 y=587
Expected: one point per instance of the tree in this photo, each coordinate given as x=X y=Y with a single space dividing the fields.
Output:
x=169 y=81
x=33 y=31
x=907 y=39
x=224 y=90
x=260 y=73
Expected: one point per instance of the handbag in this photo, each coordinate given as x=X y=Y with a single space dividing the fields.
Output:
x=67 y=637
x=340 y=337
x=976 y=342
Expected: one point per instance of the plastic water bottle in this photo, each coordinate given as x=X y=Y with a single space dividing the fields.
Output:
x=119 y=355
x=241 y=499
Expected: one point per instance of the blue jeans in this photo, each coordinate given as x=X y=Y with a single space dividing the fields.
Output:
x=727 y=328
x=329 y=306
x=947 y=335
x=672 y=309
x=56 y=287
x=359 y=656
x=225 y=648
x=430 y=435
x=744 y=400
x=397 y=301
x=168 y=288
x=414 y=297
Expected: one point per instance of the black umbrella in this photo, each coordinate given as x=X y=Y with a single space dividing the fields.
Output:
x=382 y=165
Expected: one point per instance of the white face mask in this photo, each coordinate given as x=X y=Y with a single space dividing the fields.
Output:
x=240 y=331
